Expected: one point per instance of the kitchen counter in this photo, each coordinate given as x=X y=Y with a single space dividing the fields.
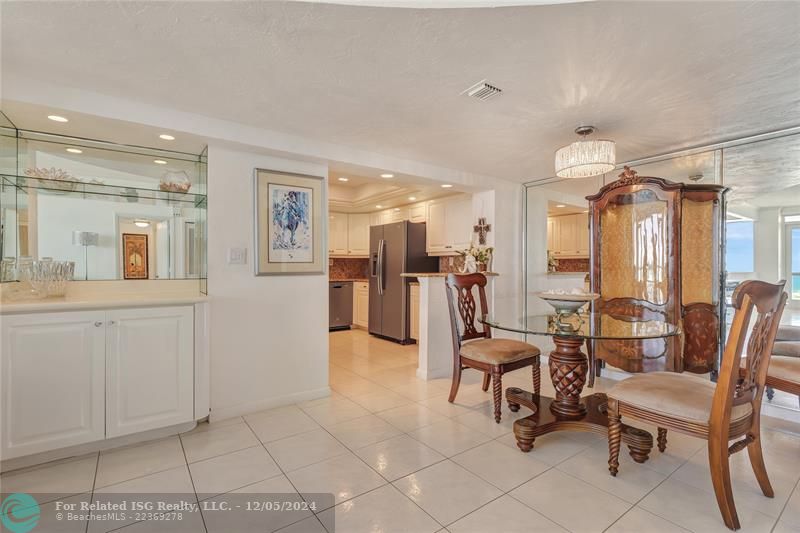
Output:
x=567 y=273
x=354 y=280
x=438 y=274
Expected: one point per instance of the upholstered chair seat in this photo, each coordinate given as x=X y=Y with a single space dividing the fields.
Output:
x=685 y=396
x=787 y=368
x=498 y=351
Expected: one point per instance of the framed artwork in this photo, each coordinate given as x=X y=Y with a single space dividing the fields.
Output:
x=134 y=256
x=289 y=224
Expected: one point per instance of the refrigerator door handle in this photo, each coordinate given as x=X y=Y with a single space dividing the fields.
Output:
x=381 y=254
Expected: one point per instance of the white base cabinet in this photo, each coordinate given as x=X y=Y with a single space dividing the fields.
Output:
x=149 y=369
x=361 y=304
x=53 y=380
x=76 y=377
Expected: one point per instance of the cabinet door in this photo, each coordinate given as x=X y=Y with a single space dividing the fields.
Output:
x=362 y=304
x=459 y=224
x=417 y=213
x=435 y=233
x=358 y=235
x=582 y=230
x=414 y=312
x=337 y=234
x=53 y=381
x=149 y=369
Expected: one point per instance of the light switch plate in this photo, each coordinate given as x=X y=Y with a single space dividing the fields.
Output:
x=237 y=256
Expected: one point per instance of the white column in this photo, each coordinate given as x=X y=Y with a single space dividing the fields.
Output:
x=435 y=337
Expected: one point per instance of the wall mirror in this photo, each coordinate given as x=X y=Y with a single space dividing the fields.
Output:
x=118 y=212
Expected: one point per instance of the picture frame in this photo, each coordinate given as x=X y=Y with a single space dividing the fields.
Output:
x=135 y=259
x=289 y=223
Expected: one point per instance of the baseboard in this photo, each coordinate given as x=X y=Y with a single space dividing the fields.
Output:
x=92 y=447
x=218 y=414
x=435 y=373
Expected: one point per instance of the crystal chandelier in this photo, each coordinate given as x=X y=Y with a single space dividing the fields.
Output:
x=585 y=158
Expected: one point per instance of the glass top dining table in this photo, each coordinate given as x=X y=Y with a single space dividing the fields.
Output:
x=589 y=325
x=569 y=369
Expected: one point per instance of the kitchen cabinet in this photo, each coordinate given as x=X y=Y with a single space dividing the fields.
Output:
x=358 y=235
x=149 y=369
x=413 y=311
x=77 y=377
x=337 y=234
x=361 y=304
x=418 y=213
x=379 y=218
x=449 y=227
x=568 y=235
x=53 y=367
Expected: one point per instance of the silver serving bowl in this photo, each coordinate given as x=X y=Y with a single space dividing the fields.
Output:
x=567 y=304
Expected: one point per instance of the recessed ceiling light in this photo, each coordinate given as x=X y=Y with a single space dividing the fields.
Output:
x=397 y=209
x=387 y=175
x=378 y=206
x=56 y=118
x=446 y=186
x=159 y=162
x=560 y=205
x=166 y=137
x=344 y=179
x=74 y=151
x=412 y=198
x=141 y=223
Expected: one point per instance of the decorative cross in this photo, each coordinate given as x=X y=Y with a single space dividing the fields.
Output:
x=482 y=228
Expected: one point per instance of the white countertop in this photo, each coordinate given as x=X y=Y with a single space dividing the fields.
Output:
x=114 y=300
x=438 y=274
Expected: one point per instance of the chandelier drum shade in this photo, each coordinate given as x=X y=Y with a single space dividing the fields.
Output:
x=585 y=158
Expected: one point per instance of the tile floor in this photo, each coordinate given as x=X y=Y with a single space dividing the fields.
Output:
x=398 y=457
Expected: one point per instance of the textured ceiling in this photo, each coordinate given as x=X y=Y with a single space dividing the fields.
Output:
x=653 y=76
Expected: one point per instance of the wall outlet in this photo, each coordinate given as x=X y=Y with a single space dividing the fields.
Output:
x=237 y=256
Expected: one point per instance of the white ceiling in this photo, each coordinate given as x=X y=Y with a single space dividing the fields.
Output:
x=654 y=76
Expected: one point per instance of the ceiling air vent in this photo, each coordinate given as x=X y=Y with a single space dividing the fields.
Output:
x=482 y=90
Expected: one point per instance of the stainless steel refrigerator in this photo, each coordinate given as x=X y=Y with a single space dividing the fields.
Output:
x=393 y=249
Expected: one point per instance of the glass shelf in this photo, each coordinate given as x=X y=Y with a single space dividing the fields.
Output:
x=89 y=191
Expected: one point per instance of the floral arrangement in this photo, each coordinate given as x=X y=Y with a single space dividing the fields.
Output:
x=476 y=258
x=552 y=262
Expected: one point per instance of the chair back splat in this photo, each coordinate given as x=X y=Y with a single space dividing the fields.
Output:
x=463 y=308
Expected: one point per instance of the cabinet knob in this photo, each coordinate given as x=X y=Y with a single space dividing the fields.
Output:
x=111 y=322
x=98 y=324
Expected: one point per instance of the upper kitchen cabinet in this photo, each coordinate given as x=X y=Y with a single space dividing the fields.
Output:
x=358 y=235
x=348 y=235
x=568 y=235
x=418 y=213
x=337 y=234
x=449 y=226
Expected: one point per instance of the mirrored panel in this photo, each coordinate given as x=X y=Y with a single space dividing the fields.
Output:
x=118 y=212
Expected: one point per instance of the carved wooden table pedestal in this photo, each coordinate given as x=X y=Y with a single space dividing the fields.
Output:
x=568 y=411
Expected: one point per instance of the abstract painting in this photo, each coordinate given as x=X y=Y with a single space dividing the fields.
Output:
x=288 y=223
x=134 y=256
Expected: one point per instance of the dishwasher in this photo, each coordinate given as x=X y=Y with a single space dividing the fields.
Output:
x=340 y=305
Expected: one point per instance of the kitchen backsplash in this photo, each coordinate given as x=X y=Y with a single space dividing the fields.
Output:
x=573 y=265
x=348 y=268
x=451 y=263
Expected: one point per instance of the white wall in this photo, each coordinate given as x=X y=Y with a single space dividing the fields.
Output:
x=269 y=334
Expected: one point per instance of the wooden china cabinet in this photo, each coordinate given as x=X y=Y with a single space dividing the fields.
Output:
x=657 y=253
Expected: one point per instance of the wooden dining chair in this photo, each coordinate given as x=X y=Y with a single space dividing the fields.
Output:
x=477 y=349
x=784 y=369
x=719 y=412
